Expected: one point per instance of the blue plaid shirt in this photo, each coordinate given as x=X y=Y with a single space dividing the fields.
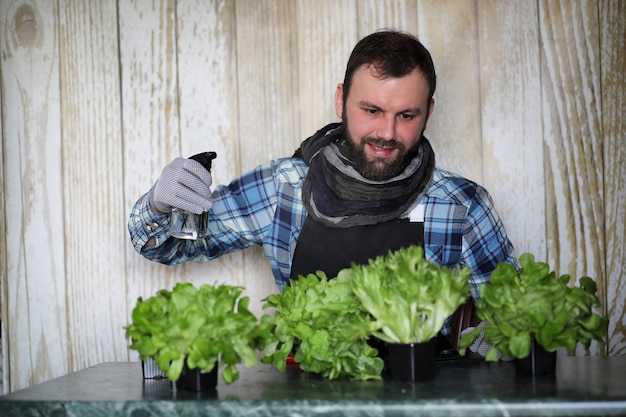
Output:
x=264 y=207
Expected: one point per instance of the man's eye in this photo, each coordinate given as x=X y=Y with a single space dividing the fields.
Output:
x=407 y=116
x=371 y=111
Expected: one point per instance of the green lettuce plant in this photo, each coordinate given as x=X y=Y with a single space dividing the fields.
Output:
x=533 y=303
x=408 y=297
x=199 y=326
x=325 y=324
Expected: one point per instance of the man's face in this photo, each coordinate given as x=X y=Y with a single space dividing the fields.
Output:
x=384 y=119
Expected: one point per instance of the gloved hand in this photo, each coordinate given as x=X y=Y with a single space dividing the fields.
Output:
x=183 y=184
x=479 y=346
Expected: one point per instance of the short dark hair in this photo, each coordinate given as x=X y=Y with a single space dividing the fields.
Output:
x=392 y=53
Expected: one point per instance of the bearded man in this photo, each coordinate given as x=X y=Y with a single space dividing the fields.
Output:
x=353 y=191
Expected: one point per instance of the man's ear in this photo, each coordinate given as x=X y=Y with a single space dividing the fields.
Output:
x=431 y=107
x=339 y=101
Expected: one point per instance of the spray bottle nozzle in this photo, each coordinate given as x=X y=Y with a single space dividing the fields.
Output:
x=205 y=158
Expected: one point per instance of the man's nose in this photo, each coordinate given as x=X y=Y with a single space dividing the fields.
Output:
x=387 y=127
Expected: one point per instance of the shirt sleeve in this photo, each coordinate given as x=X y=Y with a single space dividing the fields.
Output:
x=485 y=242
x=144 y=224
x=241 y=215
x=462 y=228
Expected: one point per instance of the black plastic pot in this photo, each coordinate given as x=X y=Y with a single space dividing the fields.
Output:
x=411 y=361
x=196 y=380
x=539 y=362
x=150 y=370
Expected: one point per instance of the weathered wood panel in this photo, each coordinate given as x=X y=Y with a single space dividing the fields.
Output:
x=207 y=83
x=379 y=14
x=207 y=76
x=571 y=116
x=571 y=90
x=267 y=69
x=613 y=66
x=449 y=29
x=267 y=89
x=35 y=293
x=325 y=39
x=4 y=312
x=512 y=134
x=150 y=121
x=93 y=152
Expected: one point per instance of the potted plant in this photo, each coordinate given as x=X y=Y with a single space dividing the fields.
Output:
x=408 y=299
x=530 y=311
x=190 y=332
x=322 y=323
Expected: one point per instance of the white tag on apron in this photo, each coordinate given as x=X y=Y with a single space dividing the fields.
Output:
x=417 y=214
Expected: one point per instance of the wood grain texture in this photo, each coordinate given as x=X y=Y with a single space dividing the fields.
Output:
x=33 y=183
x=207 y=63
x=267 y=86
x=382 y=14
x=92 y=143
x=571 y=117
x=613 y=66
x=207 y=82
x=325 y=39
x=449 y=30
x=267 y=70
x=511 y=119
x=4 y=311
x=150 y=122
x=571 y=89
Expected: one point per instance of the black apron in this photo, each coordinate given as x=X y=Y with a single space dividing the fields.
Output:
x=321 y=248
x=327 y=249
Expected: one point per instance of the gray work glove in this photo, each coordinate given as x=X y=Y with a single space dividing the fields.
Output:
x=184 y=184
x=480 y=346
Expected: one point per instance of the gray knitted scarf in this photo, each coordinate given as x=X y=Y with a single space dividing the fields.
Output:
x=336 y=195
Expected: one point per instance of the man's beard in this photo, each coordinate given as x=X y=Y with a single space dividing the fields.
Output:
x=378 y=169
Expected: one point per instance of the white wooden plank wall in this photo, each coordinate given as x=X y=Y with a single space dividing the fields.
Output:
x=612 y=50
x=572 y=109
x=93 y=198
x=97 y=96
x=34 y=286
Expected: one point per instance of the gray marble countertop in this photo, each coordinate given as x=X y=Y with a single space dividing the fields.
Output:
x=582 y=386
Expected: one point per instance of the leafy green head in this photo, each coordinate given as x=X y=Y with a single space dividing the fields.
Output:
x=325 y=324
x=408 y=296
x=199 y=326
x=396 y=298
x=534 y=303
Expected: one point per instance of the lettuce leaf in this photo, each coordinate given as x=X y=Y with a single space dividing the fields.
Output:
x=409 y=297
x=324 y=323
x=534 y=303
x=199 y=326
